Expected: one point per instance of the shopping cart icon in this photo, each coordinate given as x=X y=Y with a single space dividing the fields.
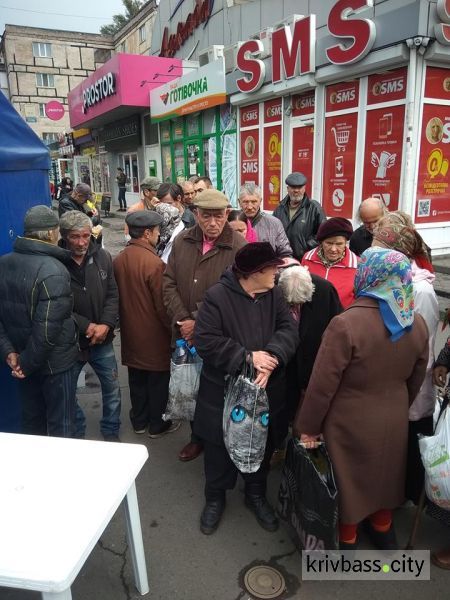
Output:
x=341 y=137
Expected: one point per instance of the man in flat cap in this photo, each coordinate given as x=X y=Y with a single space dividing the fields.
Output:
x=38 y=336
x=198 y=258
x=144 y=325
x=148 y=201
x=300 y=215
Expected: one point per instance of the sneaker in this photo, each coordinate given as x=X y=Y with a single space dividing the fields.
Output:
x=169 y=427
x=111 y=437
x=140 y=431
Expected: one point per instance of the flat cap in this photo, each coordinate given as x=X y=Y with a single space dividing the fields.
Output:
x=40 y=218
x=143 y=218
x=150 y=183
x=211 y=199
x=296 y=179
x=84 y=190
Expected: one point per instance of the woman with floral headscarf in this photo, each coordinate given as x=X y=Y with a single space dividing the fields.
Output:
x=369 y=368
x=391 y=233
x=171 y=226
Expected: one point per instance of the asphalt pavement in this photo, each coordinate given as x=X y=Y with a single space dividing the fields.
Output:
x=183 y=564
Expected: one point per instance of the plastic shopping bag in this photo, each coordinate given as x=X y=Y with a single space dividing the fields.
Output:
x=245 y=421
x=308 y=499
x=435 y=452
x=183 y=390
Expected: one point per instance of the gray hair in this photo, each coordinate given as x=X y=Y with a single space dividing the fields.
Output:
x=250 y=189
x=375 y=202
x=296 y=285
x=74 y=219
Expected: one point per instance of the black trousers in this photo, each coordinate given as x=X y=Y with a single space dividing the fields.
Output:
x=149 y=392
x=415 y=473
x=221 y=473
x=121 y=198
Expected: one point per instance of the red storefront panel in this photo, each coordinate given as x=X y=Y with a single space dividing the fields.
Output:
x=303 y=104
x=272 y=110
x=302 y=150
x=249 y=116
x=383 y=154
x=272 y=167
x=342 y=96
x=433 y=183
x=250 y=156
x=339 y=165
x=437 y=83
x=387 y=87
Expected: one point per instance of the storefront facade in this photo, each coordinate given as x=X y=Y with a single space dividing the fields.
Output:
x=110 y=109
x=356 y=95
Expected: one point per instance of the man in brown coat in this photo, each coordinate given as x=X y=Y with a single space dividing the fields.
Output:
x=198 y=258
x=144 y=326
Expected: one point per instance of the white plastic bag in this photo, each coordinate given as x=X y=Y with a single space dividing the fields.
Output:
x=183 y=389
x=435 y=452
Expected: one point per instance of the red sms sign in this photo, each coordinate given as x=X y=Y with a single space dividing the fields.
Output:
x=250 y=156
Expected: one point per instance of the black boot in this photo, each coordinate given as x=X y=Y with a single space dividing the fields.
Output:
x=211 y=515
x=383 y=540
x=255 y=500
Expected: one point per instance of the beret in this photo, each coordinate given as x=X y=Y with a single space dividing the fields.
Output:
x=143 y=218
x=296 y=179
x=255 y=257
x=334 y=226
x=211 y=199
x=40 y=218
x=150 y=183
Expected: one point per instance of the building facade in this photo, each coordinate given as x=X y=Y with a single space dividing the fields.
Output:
x=354 y=93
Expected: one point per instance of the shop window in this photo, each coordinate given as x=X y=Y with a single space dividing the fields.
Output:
x=151 y=132
x=209 y=121
x=178 y=129
x=45 y=80
x=227 y=117
x=179 y=160
x=165 y=131
x=166 y=163
x=142 y=34
x=192 y=125
x=41 y=50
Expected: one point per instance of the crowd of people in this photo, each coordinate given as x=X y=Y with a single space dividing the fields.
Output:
x=338 y=325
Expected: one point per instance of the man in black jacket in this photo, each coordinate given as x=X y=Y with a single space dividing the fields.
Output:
x=38 y=337
x=96 y=310
x=300 y=215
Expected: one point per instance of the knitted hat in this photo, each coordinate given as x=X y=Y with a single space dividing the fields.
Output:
x=255 y=257
x=334 y=226
x=40 y=218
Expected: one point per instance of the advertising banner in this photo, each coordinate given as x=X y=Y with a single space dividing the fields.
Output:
x=383 y=154
x=201 y=89
x=250 y=156
x=272 y=167
x=387 y=87
x=433 y=182
x=273 y=110
x=302 y=150
x=339 y=165
x=303 y=104
x=249 y=116
x=437 y=83
x=342 y=96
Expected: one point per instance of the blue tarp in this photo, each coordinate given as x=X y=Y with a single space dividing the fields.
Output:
x=24 y=165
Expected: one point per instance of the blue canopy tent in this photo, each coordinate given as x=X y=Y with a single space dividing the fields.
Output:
x=24 y=166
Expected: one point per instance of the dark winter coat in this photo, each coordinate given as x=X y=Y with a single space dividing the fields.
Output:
x=358 y=396
x=302 y=228
x=229 y=324
x=95 y=293
x=68 y=203
x=189 y=272
x=36 y=307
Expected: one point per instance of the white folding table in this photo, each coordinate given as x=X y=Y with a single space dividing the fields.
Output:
x=56 y=498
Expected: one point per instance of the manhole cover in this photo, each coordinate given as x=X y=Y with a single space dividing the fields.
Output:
x=264 y=582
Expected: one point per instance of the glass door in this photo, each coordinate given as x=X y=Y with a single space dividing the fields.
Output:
x=129 y=164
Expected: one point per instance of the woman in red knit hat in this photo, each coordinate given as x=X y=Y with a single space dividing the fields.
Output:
x=332 y=259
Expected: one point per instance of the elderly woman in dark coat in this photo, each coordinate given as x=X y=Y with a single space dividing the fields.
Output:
x=243 y=317
x=369 y=369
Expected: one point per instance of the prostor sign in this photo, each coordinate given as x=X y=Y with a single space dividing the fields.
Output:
x=293 y=50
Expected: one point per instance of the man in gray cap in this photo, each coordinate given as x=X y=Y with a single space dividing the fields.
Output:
x=300 y=215
x=38 y=337
x=149 y=187
x=76 y=200
x=144 y=325
x=198 y=258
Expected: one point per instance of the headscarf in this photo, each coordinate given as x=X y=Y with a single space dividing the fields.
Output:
x=171 y=218
x=385 y=275
x=394 y=231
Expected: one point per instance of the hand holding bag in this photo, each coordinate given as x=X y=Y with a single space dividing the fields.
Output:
x=245 y=420
x=308 y=499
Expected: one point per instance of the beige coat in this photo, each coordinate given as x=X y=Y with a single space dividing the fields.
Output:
x=144 y=325
x=358 y=396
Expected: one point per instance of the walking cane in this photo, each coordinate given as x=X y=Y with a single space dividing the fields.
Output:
x=415 y=529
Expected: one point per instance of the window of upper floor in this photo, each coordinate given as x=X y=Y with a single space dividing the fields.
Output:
x=42 y=50
x=45 y=80
x=142 y=34
x=49 y=137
